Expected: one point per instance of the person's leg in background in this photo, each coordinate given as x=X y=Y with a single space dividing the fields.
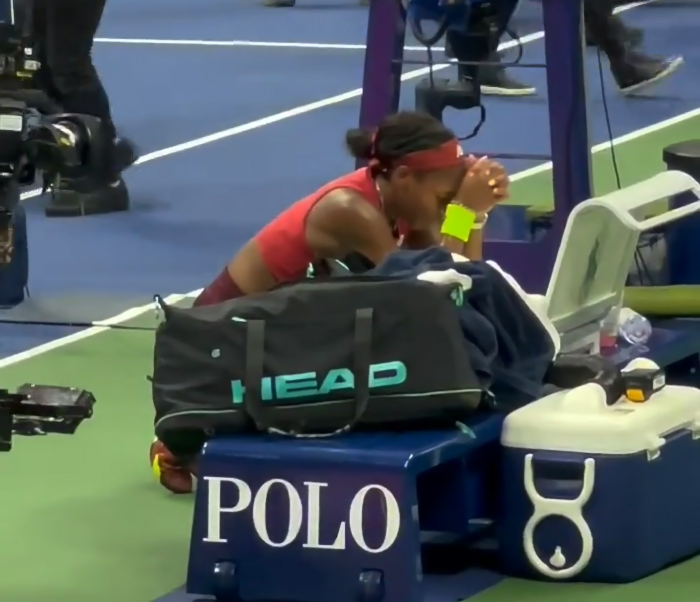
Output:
x=480 y=43
x=495 y=80
x=64 y=31
x=44 y=79
x=633 y=36
x=631 y=69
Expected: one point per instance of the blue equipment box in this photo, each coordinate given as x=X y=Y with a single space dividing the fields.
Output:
x=337 y=519
x=599 y=493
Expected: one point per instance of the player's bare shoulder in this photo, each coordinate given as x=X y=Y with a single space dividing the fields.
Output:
x=339 y=218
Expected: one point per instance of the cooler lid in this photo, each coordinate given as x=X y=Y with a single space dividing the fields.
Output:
x=579 y=420
x=597 y=248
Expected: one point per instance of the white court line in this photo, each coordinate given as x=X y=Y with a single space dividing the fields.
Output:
x=135 y=312
x=247 y=44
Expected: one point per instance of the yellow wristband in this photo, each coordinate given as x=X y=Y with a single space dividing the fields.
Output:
x=458 y=223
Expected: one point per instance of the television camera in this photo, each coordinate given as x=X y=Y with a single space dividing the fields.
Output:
x=40 y=410
x=35 y=136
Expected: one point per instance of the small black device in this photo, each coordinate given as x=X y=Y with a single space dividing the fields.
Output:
x=434 y=95
x=639 y=384
x=478 y=23
x=40 y=410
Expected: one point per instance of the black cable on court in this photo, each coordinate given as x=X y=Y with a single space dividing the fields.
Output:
x=155 y=309
x=74 y=324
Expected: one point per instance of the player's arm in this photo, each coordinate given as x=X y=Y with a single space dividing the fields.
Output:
x=485 y=184
x=343 y=222
x=473 y=247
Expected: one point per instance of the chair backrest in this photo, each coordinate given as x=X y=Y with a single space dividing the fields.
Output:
x=598 y=248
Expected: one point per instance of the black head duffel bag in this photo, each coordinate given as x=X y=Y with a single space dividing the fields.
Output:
x=315 y=357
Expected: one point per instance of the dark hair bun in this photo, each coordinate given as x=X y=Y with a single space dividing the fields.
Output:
x=359 y=143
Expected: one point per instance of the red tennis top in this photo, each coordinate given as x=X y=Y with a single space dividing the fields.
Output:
x=282 y=243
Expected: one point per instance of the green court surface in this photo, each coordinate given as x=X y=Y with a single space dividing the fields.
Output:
x=638 y=156
x=86 y=522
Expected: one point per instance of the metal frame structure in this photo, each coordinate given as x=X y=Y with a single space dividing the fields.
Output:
x=532 y=261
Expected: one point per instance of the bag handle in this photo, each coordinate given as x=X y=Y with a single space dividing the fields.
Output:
x=161 y=306
x=254 y=362
x=255 y=355
x=361 y=364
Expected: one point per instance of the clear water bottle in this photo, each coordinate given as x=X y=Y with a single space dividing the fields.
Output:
x=633 y=327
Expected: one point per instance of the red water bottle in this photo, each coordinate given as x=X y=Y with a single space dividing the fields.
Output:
x=610 y=329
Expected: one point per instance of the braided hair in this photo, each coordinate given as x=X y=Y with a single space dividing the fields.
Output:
x=398 y=135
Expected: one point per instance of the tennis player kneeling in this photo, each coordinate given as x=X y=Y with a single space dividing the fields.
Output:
x=418 y=190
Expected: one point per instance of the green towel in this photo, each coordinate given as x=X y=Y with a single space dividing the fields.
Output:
x=664 y=301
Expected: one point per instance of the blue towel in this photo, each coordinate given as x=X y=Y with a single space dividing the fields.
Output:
x=509 y=347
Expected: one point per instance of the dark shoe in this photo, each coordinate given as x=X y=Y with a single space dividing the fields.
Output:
x=637 y=71
x=65 y=202
x=125 y=155
x=634 y=36
x=495 y=81
x=111 y=197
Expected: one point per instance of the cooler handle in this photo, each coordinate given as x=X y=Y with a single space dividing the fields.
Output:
x=571 y=510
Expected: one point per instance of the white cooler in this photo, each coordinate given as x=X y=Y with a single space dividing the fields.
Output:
x=599 y=493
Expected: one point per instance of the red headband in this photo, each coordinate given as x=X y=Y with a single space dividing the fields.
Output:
x=445 y=156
